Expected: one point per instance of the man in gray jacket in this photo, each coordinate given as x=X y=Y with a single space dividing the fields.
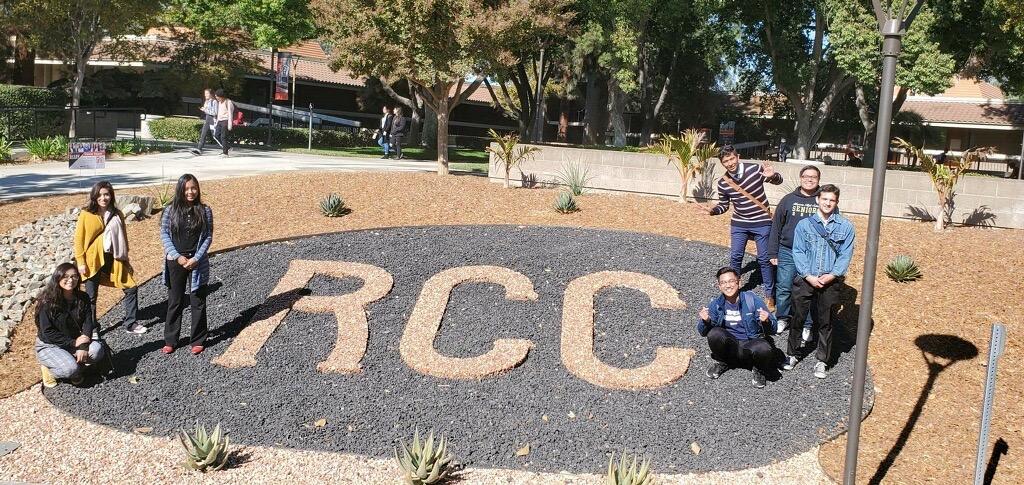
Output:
x=209 y=109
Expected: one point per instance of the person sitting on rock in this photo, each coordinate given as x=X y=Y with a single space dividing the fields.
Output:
x=101 y=252
x=65 y=323
x=734 y=324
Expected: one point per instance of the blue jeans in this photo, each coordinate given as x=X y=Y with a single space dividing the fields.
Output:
x=740 y=236
x=784 y=275
x=383 y=142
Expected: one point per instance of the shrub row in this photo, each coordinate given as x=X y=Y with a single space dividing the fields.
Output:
x=188 y=129
x=21 y=124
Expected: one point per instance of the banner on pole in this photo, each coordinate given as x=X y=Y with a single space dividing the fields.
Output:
x=283 y=74
x=87 y=155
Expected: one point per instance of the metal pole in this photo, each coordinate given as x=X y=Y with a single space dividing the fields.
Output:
x=270 y=103
x=891 y=32
x=310 y=133
x=995 y=350
x=1020 y=161
x=538 y=121
x=295 y=65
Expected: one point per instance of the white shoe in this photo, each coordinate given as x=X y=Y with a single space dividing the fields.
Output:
x=782 y=326
x=819 y=370
x=806 y=335
x=790 y=362
x=136 y=328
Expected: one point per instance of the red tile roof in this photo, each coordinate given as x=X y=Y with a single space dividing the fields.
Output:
x=1009 y=114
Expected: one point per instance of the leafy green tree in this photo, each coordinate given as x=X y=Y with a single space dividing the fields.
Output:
x=266 y=23
x=923 y=68
x=71 y=30
x=442 y=47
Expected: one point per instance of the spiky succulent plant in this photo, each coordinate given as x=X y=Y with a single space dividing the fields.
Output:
x=333 y=206
x=621 y=474
x=565 y=203
x=425 y=462
x=903 y=269
x=205 y=451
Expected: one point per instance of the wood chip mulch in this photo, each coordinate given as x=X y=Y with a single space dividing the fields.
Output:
x=972 y=278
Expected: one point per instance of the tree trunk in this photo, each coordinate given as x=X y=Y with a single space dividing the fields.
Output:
x=76 y=91
x=563 y=120
x=595 y=120
x=429 y=127
x=442 y=133
x=617 y=100
x=682 y=191
x=416 y=124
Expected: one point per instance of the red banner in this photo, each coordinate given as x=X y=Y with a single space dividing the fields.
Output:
x=283 y=75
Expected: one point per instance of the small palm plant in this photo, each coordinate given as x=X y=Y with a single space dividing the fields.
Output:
x=205 y=452
x=621 y=474
x=425 y=462
x=508 y=151
x=944 y=176
x=903 y=269
x=689 y=153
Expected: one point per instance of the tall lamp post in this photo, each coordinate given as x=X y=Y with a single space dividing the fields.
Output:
x=893 y=24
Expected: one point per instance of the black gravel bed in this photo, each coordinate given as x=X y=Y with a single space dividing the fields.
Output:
x=280 y=401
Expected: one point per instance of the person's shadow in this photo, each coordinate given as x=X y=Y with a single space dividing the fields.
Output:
x=939 y=352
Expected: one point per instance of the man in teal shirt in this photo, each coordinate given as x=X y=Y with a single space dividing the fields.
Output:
x=822 y=250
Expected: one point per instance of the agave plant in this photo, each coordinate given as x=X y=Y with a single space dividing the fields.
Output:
x=508 y=152
x=621 y=474
x=689 y=154
x=425 y=462
x=333 y=206
x=903 y=269
x=574 y=176
x=565 y=203
x=205 y=452
x=944 y=176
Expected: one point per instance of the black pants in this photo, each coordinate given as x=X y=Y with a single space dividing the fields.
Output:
x=204 y=132
x=756 y=352
x=131 y=295
x=222 y=135
x=180 y=280
x=396 y=144
x=825 y=300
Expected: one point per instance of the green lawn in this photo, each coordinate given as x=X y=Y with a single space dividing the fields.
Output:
x=461 y=159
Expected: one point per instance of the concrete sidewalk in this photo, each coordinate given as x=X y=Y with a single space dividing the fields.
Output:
x=32 y=180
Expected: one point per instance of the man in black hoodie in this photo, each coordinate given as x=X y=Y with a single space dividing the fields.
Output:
x=794 y=207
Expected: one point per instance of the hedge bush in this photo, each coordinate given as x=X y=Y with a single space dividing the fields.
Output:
x=188 y=129
x=21 y=124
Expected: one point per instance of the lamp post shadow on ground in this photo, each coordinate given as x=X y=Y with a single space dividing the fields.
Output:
x=939 y=353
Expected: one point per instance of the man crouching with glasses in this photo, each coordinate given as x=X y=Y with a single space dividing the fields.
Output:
x=736 y=323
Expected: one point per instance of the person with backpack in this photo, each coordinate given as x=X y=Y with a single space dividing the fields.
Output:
x=736 y=324
x=399 y=130
x=225 y=115
x=822 y=251
x=743 y=187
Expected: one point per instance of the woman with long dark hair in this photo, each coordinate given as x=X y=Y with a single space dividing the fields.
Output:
x=186 y=232
x=101 y=252
x=65 y=322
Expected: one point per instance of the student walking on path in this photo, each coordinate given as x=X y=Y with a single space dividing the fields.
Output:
x=399 y=130
x=383 y=134
x=186 y=232
x=225 y=113
x=101 y=253
x=209 y=109
x=65 y=324
x=743 y=187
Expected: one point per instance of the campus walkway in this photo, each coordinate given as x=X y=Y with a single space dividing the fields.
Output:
x=31 y=180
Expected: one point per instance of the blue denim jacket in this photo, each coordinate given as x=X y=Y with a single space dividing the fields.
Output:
x=200 y=275
x=812 y=255
x=749 y=303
